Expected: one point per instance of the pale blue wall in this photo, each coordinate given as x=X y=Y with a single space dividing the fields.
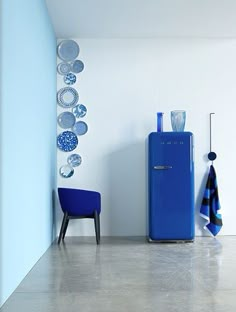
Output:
x=28 y=137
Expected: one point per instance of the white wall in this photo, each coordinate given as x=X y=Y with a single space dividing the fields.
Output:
x=28 y=130
x=124 y=83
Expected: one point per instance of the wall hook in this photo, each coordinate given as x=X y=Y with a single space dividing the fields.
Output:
x=211 y=155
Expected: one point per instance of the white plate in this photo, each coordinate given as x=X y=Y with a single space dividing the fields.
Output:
x=66 y=171
x=63 y=68
x=67 y=97
x=74 y=160
x=68 y=50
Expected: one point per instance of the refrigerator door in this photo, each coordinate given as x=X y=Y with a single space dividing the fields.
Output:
x=171 y=186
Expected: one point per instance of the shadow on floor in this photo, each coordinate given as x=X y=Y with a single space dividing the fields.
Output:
x=127 y=190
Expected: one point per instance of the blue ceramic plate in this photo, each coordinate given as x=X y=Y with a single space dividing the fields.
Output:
x=80 y=128
x=77 y=66
x=67 y=97
x=70 y=79
x=79 y=111
x=74 y=160
x=67 y=141
x=63 y=68
x=68 y=50
x=66 y=120
x=66 y=171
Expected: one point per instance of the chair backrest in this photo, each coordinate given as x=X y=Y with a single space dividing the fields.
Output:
x=77 y=202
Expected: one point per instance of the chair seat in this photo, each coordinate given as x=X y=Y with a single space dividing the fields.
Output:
x=77 y=202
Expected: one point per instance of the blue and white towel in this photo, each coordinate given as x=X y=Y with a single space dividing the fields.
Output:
x=211 y=204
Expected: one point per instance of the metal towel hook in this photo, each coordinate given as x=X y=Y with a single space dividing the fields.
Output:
x=211 y=155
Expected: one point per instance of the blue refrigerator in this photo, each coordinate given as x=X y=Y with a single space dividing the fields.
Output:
x=171 y=186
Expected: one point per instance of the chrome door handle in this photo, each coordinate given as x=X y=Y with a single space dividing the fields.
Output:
x=162 y=167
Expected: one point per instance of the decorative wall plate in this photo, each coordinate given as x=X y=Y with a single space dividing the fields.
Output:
x=80 y=128
x=67 y=97
x=66 y=171
x=74 y=160
x=77 y=66
x=67 y=141
x=63 y=68
x=68 y=50
x=79 y=110
x=70 y=79
x=66 y=120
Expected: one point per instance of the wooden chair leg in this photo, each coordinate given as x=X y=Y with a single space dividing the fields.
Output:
x=97 y=226
x=62 y=227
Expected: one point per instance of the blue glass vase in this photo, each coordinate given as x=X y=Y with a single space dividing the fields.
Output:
x=159 y=122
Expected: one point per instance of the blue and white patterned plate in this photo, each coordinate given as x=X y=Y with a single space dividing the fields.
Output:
x=80 y=128
x=66 y=171
x=66 y=120
x=74 y=160
x=79 y=110
x=68 y=50
x=67 y=141
x=77 y=66
x=70 y=79
x=63 y=68
x=67 y=97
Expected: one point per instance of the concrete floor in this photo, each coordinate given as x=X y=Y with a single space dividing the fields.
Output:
x=130 y=275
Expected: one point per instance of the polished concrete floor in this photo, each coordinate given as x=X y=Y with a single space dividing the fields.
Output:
x=130 y=275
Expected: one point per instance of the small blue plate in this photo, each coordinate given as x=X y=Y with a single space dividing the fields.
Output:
x=67 y=141
x=79 y=110
x=66 y=120
x=70 y=79
x=80 y=128
x=74 y=160
x=77 y=66
x=68 y=50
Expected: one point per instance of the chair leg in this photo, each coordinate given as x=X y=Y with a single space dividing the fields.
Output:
x=62 y=227
x=97 y=226
x=65 y=229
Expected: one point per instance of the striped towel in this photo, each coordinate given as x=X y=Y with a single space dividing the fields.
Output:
x=211 y=204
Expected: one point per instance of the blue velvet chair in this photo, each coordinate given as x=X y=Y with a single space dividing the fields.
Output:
x=79 y=204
